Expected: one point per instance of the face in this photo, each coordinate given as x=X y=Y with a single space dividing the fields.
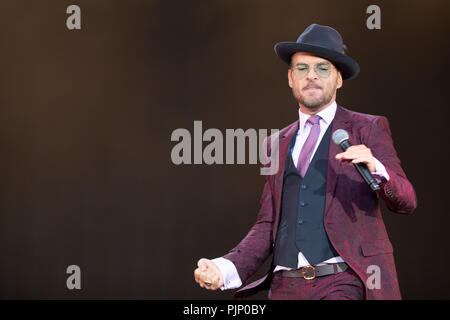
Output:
x=314 y=81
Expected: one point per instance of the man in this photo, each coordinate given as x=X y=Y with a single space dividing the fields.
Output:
x=318 y=216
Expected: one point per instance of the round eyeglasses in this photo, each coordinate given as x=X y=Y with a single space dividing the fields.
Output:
x=322 y=69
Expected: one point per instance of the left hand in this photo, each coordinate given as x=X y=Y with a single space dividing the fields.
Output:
x=357 y=154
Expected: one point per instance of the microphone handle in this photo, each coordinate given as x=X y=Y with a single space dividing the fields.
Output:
x=362 y=169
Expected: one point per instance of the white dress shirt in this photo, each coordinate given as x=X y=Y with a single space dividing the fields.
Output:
x=227 y=268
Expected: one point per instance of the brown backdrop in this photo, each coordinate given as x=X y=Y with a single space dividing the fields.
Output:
x=86 y=119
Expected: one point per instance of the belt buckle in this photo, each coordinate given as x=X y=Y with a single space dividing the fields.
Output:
x=308 y=272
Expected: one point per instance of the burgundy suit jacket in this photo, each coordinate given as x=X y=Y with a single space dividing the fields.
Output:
x=352 y=217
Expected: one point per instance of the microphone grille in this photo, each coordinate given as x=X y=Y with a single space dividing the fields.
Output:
x=340 y=135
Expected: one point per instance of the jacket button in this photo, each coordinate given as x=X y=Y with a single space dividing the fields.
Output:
x=300 y=221
x=302 y=204
x=303 y=186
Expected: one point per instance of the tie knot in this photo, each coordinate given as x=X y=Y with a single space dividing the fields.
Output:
x=313 y=119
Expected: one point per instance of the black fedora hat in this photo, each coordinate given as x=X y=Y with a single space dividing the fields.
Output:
x=322 y=41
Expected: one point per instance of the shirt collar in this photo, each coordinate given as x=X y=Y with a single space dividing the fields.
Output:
x=326 y=115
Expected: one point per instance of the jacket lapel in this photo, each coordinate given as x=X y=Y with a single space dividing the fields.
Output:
x=342 y=120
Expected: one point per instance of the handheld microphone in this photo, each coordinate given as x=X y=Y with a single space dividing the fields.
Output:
x=340 y=137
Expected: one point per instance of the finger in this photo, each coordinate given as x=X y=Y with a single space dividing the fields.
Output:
x=218 y=279
x=216 y=283
x=353 y=149
x=368 y=161
x=353 y=154
x=346 y=156
x=197 y=274
x=203 y=278
x=203 y=264
x=342 y=156
x=361 y=160
x=356 y=149
x=215 y=273
x=362 y=150
x=209 y=278
x=212 y=287
x=211 y=284
x=207 y=284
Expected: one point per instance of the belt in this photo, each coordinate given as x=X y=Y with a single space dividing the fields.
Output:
x=310 y=272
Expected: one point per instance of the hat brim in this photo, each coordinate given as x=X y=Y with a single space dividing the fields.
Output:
x=348 y=67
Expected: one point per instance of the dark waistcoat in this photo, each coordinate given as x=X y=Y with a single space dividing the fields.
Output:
x=302 y=209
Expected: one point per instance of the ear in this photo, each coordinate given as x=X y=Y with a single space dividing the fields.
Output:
x=290 y=78
x=339 y=80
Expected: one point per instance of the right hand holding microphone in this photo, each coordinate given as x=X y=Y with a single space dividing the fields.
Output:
x=208 y=275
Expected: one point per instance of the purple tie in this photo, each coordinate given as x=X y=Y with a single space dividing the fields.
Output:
x=308 y=147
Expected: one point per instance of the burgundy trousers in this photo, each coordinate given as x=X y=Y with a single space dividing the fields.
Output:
x=339 y=286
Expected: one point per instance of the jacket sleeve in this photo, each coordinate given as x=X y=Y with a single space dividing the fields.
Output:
x=398 y=193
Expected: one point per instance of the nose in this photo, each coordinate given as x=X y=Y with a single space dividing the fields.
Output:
x=311 y=74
